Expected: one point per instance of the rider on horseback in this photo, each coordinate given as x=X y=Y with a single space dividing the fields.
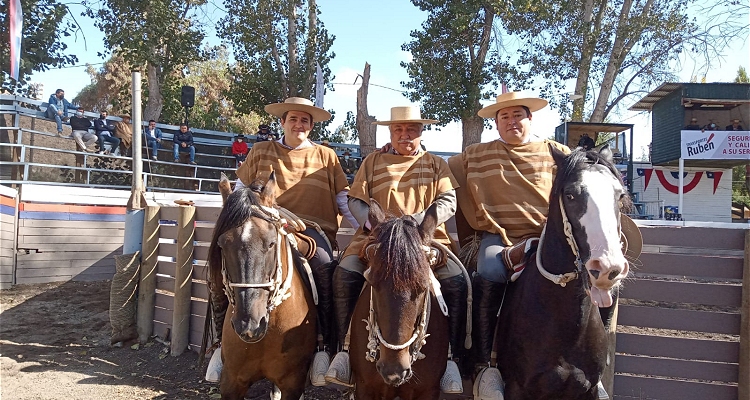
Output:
x=311 y=184
x=403 y=179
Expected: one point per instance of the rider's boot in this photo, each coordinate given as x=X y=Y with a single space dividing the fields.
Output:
x=323 y=276
x=487 y=298
x=455 y=294
x=219 y=305
x=347 y=286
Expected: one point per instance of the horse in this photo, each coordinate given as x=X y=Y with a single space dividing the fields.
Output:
x=550 y=339
x=389 y=353
x=272 y=330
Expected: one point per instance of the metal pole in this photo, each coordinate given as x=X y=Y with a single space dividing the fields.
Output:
x=134 y=213
x=680 y=190
x=630 y=164
x=137 y=137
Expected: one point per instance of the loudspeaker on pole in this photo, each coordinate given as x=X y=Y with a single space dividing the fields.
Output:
x=187 y=98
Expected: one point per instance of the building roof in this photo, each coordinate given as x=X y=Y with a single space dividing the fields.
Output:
x=647 y=102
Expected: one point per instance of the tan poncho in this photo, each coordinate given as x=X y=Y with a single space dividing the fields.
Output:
x=124 y=131
x=402 y=185
x=308 y=180
x=507 y=187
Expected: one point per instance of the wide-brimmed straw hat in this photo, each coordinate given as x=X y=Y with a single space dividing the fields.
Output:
x=406 y=115
x=123 y=116
x=298 y=104
x=512 y=99
x=632 y=240
x=736 y=120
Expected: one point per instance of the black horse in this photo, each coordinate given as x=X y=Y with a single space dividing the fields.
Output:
x=550 y=339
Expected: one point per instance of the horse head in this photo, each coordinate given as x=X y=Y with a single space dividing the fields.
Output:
x=243 y=257
x=591 y=197
x=399 y=274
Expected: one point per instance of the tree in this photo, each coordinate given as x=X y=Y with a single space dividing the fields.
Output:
x=741 y=76
x=277 y=44
x=344 y=133
x=615 y=50
x=45 y=25
x=453 y=63
x=159 y=37
x=110 y=87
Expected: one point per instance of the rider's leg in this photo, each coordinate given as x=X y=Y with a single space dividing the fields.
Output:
x=322 y=267
x=347 y=285
x=219 y=305
x=489 y=285
x=453 y=286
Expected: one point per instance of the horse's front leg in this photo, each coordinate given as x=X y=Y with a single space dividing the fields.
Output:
x=291 y=387
x=430 y=394
x=232 y=387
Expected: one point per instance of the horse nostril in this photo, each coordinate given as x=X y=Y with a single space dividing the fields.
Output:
x=612 y=275
x=594 y=273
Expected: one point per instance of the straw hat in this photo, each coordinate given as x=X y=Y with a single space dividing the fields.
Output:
x=406 y=115
x=123 y=116
x=632 y=241
x=693 y=119
x=298 y=104
x=512 y=99
x=736 y=120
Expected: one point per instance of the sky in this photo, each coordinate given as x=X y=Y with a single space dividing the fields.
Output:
x=373 y=32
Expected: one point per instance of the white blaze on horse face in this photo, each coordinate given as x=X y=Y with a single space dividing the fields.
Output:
x=246 y=232
x=606 y=265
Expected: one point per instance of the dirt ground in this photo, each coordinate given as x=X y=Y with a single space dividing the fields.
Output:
x=54 y=344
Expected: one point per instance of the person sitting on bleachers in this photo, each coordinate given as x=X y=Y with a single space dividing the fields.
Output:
x=124 y=132
x=349 y=165
x=105 y=132
x=58 y=109
x=239 y=149
x=735 y=126
x=81 y=125
x=586 y=142
x=264 y=134
x=693 y=126
x=711 y=126
x=183 y=142
x=153 y=136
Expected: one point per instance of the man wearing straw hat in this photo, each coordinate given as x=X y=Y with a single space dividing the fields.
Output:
x=312 y=185
x=387 y=178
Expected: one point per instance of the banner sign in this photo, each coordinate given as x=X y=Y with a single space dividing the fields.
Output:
x=715 y=145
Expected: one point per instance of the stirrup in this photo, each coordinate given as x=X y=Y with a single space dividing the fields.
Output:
x=213 y=372
x=340 y=371
x=602 y=393
x=451 y=381
x=489 y=385
x=318 y=368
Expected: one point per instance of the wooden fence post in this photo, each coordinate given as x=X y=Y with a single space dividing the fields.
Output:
x=183 y=280
x=743 y=384
x=147 y=285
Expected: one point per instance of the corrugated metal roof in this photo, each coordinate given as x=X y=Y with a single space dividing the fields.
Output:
x=647 y=102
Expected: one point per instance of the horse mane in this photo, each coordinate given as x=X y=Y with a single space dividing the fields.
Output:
x=399 y=255
x=572 y=163
x=238 y=208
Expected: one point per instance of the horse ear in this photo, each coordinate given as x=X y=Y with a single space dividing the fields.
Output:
x=606 y=153
x=557 y=155
x=429 y=223
x=376 y=215
x=268 y=192
x=224 y=188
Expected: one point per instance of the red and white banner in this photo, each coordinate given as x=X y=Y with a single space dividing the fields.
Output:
x=16 y=27
x=715 y=145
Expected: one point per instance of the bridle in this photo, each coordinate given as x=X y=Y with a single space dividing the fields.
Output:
x=278 y=285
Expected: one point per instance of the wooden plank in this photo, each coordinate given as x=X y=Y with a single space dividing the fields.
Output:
x=67 y=248
x=681 y=369
x=77 y=278
x=698 y=251
x=79 y=255
x=66 y=263
x=162 y=329
x=708 y=238
x=200 y=272
x=167 y=232
x=714 y=294
x=168 y=213
x=162 y=315
x=165 y=268
x=72 y=231
x=28 y=241
x=690 y=265
x=42 y=223
x=164 y=301
x=200 y=253
x=680 y=319
x=74 y=195
x=167 y=250
x=210 y=214
x=744 y=361
x=636 y=387
x=204 y=234
x=199 y=290
x=165 y=283
x=108 y=270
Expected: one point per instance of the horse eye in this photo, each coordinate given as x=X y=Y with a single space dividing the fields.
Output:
x=271 y=245
x=569 y=196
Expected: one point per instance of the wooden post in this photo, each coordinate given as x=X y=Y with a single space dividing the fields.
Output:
x=743 y=384
x=183 y=280
x=365 y=128
x=147 y=285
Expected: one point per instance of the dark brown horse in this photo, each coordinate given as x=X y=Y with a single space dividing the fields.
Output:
x=271 y=331
x=551 y=341
x=390 y=354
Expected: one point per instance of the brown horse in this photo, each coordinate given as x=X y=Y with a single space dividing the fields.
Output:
x=390 y=355
x=272 y=329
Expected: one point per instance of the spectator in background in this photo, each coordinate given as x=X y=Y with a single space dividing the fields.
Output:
x=239 y=149
x=183 y=143
x=264 y=134
x=105 y=132
x=153 y=135
x=586 y=142
x=349 y=165
x=124 y=132
x=735 y=126
x=711 y=126
x=326 y=143
x=58 y=109
x=81 y=125
x=693 y=125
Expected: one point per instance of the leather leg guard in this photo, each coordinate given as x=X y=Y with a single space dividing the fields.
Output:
x=455 y=293
x=219 y=305
x=487 y=298
x=347 y=286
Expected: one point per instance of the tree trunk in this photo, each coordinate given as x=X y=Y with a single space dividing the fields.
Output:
x=311 y=47
x=155 y=98
x=291 y=36
x=365 y=128
x=471 y=128
x=592 y=27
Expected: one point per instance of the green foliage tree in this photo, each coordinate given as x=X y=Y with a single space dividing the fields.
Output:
x=344 y=133
x=159 y=37
x=277 y=44
x=110 y=87
x=742 y=76
x=45 y=25
x=454 y=62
